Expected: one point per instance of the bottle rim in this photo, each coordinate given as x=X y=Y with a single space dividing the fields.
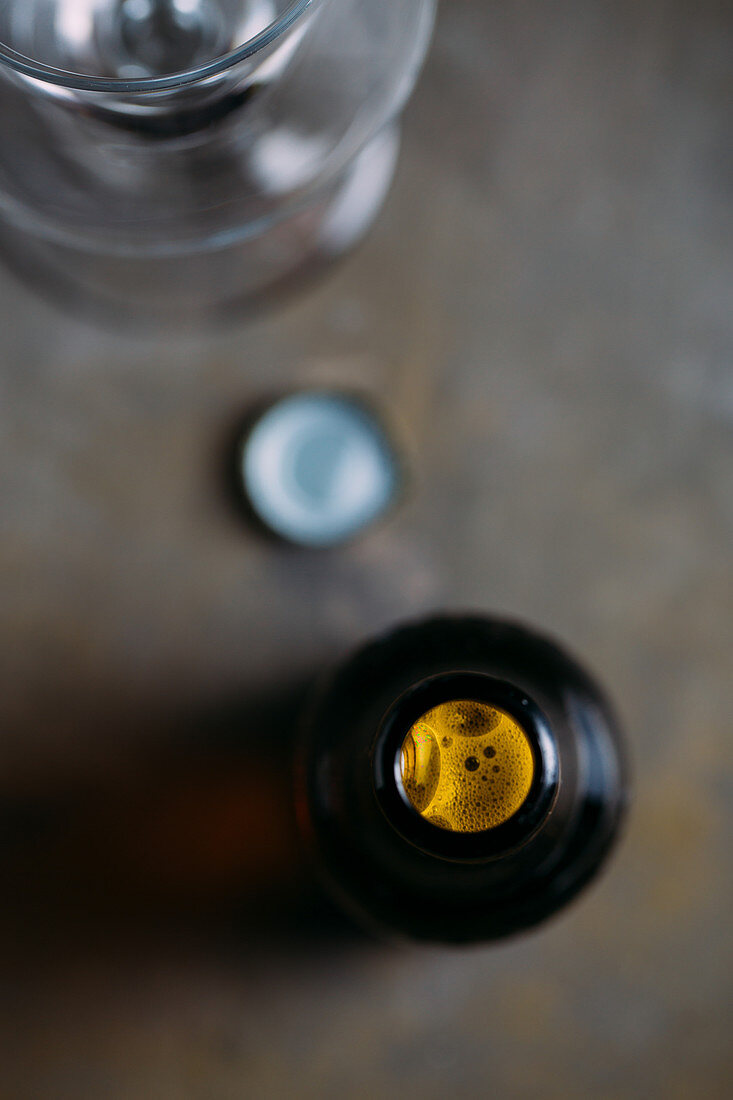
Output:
x=394 y=802
x=49 y=74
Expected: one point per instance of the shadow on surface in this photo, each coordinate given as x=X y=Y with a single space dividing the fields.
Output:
x=192 y=835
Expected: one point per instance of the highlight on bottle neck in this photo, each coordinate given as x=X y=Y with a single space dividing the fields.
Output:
x=466 y=766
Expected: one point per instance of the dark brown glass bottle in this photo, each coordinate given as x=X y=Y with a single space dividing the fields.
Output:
x=460 y=780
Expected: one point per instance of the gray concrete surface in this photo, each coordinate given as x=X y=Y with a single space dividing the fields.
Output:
x=545 y=309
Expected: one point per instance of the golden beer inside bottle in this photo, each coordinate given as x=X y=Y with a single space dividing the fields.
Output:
x=466 y=766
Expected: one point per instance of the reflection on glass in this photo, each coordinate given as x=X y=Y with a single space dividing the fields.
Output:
x=181 y=157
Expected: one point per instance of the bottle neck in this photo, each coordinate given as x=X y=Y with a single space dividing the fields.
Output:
x=392 y=855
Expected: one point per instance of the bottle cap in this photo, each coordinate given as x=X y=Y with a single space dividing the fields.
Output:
x=317 y=468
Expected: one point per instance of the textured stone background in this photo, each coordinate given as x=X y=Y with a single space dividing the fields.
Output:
x=545 y=309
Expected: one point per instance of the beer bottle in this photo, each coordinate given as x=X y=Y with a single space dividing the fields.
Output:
x=459 y=780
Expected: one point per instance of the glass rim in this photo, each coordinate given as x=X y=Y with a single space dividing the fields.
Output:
x=49 y=74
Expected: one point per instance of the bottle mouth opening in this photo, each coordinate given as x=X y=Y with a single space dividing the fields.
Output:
x=63 y=78
x=466 y=767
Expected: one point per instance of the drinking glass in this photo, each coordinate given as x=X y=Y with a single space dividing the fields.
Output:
x=179 y=159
